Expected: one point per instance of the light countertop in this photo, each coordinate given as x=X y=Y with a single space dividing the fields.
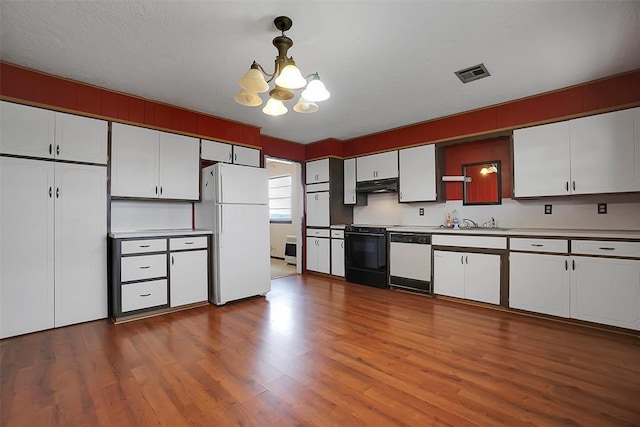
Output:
x=158 y=233
x=528 y=232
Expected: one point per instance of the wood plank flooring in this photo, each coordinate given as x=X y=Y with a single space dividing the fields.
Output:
x=321 y=352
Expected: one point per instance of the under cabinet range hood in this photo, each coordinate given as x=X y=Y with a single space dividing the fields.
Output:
x=378 y=186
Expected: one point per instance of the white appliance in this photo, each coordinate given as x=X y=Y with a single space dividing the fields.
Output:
x=410 y=261
x=235 y=206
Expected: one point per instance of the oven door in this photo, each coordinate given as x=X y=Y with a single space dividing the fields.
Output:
x=365 y=251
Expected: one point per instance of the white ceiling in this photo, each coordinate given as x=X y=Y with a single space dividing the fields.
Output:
x=386 y=63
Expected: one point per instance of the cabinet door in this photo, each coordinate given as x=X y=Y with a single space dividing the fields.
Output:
x=606 y=291
x=539 y=283
x=350 y=182
x=179 y=167
x=26 y=131
x=246 y=156
x=337 y=257
x=217 y=151
x=542 y=160
x=312 y=254
x=318 y=214
x=324 y=255
x=81 y=139
x=317 y=171
x=417 y=174
x=448 y=273
x=188 y=277
x=482 y=277
x=377 y=166
x=605 y=152
x=80 y=243
x=26 y=246
x=134 y=161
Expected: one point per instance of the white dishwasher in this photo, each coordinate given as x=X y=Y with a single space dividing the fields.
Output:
x=410 y=261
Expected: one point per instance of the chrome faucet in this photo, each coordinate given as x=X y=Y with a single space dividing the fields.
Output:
x=467 y=220
x=490 y=224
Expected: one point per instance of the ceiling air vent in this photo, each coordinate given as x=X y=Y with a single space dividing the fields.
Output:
x=472 y=73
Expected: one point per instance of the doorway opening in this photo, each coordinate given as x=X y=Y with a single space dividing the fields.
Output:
x=285 y=216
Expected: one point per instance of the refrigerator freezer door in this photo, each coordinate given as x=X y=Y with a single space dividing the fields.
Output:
x=242 y=266
x=242 y=184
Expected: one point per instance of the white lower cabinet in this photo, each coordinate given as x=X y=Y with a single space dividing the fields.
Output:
x=473 y=276
x=606 y=291
x=53 y=247
x=188 y=277
x=539 y=283
x=318 y=254
x=337 y=257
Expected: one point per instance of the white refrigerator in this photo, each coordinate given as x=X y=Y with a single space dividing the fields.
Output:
x=235 y=206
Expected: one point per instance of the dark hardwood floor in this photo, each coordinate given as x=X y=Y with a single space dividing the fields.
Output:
x=323 y=352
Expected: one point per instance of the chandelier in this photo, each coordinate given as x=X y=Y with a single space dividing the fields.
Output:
x=287 y=79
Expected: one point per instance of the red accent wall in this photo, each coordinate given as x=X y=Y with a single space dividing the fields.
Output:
x=324 y=148
x=283 y=149
x=607 y=94
x=49 y=91
x=474 y=152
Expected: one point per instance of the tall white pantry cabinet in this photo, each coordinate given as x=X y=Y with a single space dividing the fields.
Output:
x=52 y=219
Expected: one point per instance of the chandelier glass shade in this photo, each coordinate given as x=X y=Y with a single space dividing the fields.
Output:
x=286 y=77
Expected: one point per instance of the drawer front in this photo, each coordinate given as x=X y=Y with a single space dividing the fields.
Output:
x=603 y=247
x=485 y=242
x=315 y=232
x=337 y=234
x=312 y=188
x=143 y=246
x=143 y=267
x=136 y=296
x=559 y=246
x=180 y=243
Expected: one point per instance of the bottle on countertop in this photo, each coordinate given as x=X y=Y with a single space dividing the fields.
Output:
x=455 y=221
x=448 y=220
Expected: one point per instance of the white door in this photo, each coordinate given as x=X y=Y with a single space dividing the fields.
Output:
x=26 y=131
x=81 y=139
x=243 y=254
x=337 y=257
x=606 y=291
x=81 y=243
x=482 y=277
x=312 y=254
x=350 y=182
x=317 y=171
x=242 y=184
x=188 y=277
x=246 y=156
x=179 y=167
x=605 y=152
x=417 y=174
x=217 y=151
x=134 y=161
x=448 y=273
x=542 y=160
x=318 y=209
x=539 y=283
x=26 y=246
x=324 y=255
x=377 y=166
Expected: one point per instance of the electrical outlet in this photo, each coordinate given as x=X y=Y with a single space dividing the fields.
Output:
x=602 y=208
x=547 y=209
x=421 y=212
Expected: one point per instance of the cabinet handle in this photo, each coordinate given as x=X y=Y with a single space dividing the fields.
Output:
x=566 y=264
x=566 y=185
x=144 y=267
x=462 y=259
x=173 y=261
x=573 y=264
x=156 y=189
x=230 y=159
x=574 y=185
x=145 y=295
x=536 y=245
x=353 y=197
x=50 y=148
x=144 y=246
x=50 y=192
x=342 y=244
x=188 y=243
x=316 y=197
x=58 y=150
x=607 y=249
x=57 y=192
x=466 y=259
x=235 y=157
x=161 y=190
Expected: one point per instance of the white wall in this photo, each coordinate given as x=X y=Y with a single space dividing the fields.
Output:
x=280 y=231
x=579 y=212
x=134 y=215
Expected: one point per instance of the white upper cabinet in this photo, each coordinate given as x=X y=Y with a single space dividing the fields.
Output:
x=246 y=156
x=350 y=182
x=417 y=174
x=605 y=153
x=318 y=209
x=317 y=171
x=36 y=132
x=590 y=155
x=377 y=166
x=179 y=173
x=150 y=164
x=542 y=160
x=217 y=151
